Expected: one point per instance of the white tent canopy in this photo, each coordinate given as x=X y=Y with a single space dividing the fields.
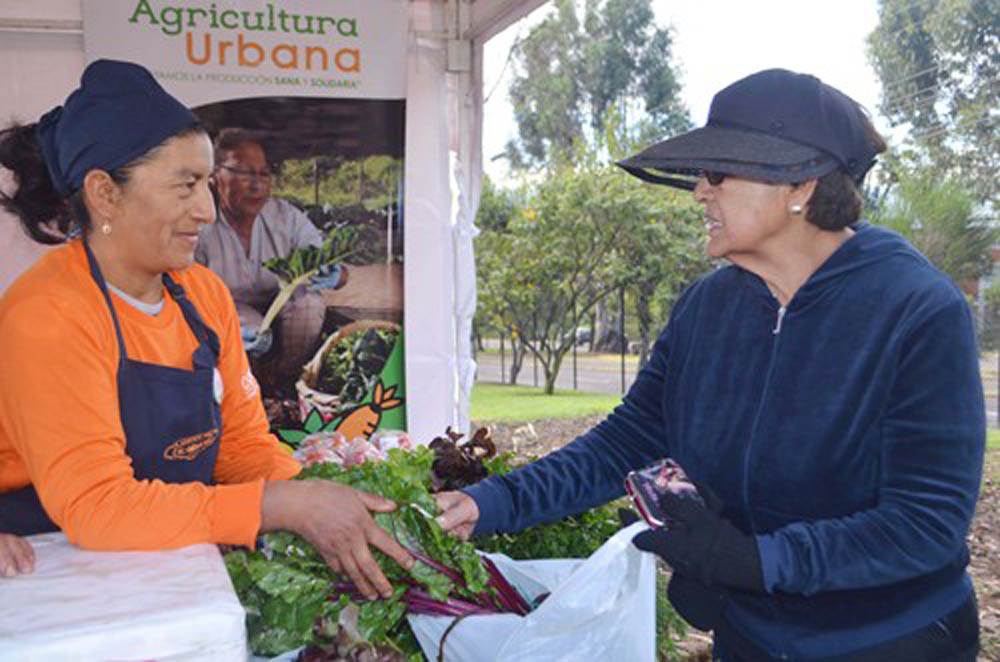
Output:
x=41 y=45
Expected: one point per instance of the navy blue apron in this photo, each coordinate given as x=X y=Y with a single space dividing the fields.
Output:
x=171 y=418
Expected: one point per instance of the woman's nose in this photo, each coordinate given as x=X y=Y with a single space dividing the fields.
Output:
x=204 y=209
x=701 y=189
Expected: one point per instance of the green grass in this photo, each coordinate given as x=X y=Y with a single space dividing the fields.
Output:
x=498 y=403
x=992 y=438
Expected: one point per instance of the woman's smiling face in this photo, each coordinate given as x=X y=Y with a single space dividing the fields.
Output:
x=164 y=204
x=742 y=216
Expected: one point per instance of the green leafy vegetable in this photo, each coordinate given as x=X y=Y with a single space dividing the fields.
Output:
x=293 y=599
x=296 y=268
x=575 y=537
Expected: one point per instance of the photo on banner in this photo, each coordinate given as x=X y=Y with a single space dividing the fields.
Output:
x=305 y=104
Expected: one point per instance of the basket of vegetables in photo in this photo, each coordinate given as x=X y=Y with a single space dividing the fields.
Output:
x=346 y=367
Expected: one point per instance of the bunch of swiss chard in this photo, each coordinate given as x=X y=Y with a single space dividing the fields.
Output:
x=292 y=598
x=352 y=366
x=296 y=268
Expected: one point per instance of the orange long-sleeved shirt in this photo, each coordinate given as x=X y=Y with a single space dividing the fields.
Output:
x=60 y=428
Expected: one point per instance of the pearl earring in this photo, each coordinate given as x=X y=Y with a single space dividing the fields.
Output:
x=106 y=228
x=795 y=209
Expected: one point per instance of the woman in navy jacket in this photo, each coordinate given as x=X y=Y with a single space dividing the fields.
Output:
x=822 y=390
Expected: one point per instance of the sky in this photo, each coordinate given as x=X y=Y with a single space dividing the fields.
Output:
x=716 y=43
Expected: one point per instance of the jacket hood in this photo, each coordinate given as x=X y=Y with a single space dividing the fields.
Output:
x=870 y=247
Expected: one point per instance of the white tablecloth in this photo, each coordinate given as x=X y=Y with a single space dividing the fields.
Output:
x=121 y=606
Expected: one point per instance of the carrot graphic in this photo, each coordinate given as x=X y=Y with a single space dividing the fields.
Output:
x=364 y=420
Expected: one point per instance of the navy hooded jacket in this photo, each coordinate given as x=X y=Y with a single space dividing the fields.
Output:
x=846 y=432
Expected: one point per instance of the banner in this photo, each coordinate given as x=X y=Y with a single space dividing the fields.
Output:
x=238 y=48
x=305 y=104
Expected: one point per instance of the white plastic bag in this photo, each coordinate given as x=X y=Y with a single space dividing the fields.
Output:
x=601 y=608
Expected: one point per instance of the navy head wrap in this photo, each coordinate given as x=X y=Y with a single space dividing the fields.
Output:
x=118 y=114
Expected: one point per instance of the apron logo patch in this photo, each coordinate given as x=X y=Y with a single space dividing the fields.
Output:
x=249 y=384
x=191 y=447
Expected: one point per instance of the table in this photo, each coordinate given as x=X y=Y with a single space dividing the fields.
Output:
x=171 y=606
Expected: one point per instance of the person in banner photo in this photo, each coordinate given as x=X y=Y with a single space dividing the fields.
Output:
x=822 y=391
x=253 y=227
x=129 y=417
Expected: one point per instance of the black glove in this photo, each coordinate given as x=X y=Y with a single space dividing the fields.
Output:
x=627 y=517
x=704 y=546
x=698 y=604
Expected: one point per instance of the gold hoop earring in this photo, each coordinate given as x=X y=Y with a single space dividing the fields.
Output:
x=106 y=228
x=795 y=209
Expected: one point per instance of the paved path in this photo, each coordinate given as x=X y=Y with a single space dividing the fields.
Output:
x=596 y=373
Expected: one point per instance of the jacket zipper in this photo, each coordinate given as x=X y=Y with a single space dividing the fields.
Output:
x=781 y=316
x=756 y=420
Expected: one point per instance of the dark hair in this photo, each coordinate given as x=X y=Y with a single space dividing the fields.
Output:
x=47 y=217
x=44 y=214
x=836 y=202
x=231 y=138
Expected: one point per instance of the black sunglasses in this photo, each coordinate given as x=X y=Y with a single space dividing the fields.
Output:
x=713 y=178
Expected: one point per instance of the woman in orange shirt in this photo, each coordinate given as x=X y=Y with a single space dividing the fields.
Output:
x=129 y=418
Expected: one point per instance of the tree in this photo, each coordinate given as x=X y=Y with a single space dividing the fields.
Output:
x=497 y=207
x=499 y=307
x=546 y=92
x=582 y=233
x=554 y=261
x=661 y=255
x=568 y=75
x=939 y=64
x=627 y=61
x=663 y=250
x=938 y=217
x=989 y=335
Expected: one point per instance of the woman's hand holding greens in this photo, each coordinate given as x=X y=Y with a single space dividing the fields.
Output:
x=337 y=521
x=459 y=513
